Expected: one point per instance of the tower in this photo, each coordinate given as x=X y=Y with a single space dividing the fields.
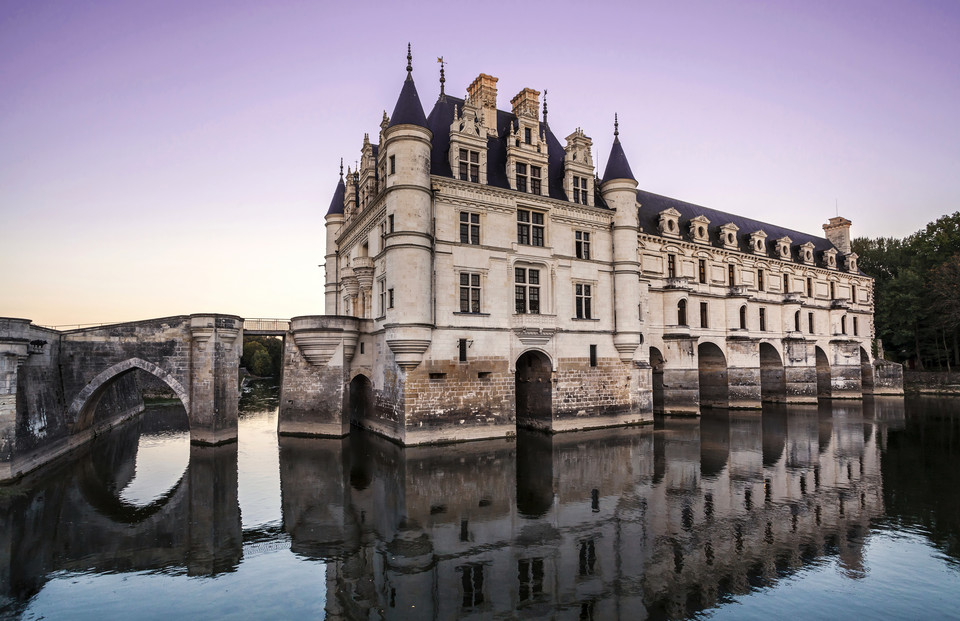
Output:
x=334 y=220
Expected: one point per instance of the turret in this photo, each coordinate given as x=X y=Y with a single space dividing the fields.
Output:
x=334 y=221
x=409 y=252
x=619 y=190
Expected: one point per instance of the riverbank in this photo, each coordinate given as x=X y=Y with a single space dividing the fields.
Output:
x=931 y=382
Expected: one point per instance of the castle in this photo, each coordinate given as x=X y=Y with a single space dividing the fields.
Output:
x=481 y=276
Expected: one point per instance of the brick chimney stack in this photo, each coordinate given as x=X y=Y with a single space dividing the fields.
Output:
x=526 y=103
x=483 y=92
x=838 y=232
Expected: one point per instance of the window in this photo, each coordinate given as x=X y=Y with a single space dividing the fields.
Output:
x=469 y=293
x=853 y=293
x=527 y=290
x=530 y=575
x=703 y=315
x=759 y=280
x=763 y=319
x=833 y=291
x=393 y=164
x=796 y=321
x=584 y=295
x=529 y=227
x=471 y=580
x=469 y=228
x=582 y=244
x=682 y=313
x=843 y=324
x=469 y=165
x=786 y=283
x=856 y=327
x=588 y=557
x=731 y=275
x=382 y=286
x=527 y=135
x=389 y=298
x=702 y=270
x=671 y=265
x=580 y=190
x=810 y=323
x=383 y=235
x=521 y=177
x=462 y=346
x=743 y=317
x=390 y=223
x=535 y=180
x=809 y=287
x=593 y=355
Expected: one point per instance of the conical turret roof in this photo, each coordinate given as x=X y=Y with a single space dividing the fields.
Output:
x=617 y=165
x=408 y=110
x=336 y=204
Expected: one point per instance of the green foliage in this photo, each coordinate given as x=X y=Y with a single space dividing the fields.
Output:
x=262 y=355
x=917 y=292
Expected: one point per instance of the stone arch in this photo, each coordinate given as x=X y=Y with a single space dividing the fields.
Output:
x=773 y=386
x=713 y=376
x=682 y=312
x=657 y=363
x=534 y=390
x=866 y=372
x=80 y=412
x=360 y=398
x=743 y=317
x=823 y=374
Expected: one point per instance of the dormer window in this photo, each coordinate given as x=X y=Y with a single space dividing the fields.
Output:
x=669 y=222
x=699 y=229
x=852 y=262
x=758 y=242
x=806 y=253
x=521 y=177
x=469 y=165
x=830 y=258
x=527 y=135
x=728 y=236
x=580 y=190
x=783 y=248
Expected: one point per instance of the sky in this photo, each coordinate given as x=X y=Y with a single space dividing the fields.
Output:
x=164 y=158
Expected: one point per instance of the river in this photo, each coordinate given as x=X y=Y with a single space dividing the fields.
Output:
x=849 y=509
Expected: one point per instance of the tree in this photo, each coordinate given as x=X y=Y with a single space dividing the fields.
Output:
x=261 y=364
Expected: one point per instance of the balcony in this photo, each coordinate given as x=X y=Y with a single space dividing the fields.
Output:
x=677 y=282
x=841 y=303
x=792 y=298
x=738 y=291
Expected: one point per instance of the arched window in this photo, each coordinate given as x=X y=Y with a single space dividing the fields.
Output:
x=796 y=321
x=743 y=317
x=843 y=324
x=682 y=313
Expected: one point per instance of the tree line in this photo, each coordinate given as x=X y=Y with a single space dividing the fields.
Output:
x=917 y=293
x=262 y=355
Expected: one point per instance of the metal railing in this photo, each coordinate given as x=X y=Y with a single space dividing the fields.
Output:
x=266 y=325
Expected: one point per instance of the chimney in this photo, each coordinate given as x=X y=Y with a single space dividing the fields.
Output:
x=838 y=233
x=527 y=103
x=483 y=93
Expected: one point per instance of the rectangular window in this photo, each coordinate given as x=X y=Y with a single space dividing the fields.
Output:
x=759 y=280
x=382 y=286
x=588 y=557
x=530 y=227
x=527 y=290
x=580 y=190
x=469 y=228
x=535 y=180
x=810 y=323
x=703 y=315
x=469 y=165
x=809 y=287
x=469 y=293
x=593 y=355
x=702 y=270
x=393 y=164
x=843 y=324
x=383 y=235
x=731 y=275
x=763 y=319
x=671 y=265
x=786 y=283
x=471 y=581
x=856 y=327
x=521 y=177
x=527 y=135
x=530 y=574
x=582 y=243
x=389 y=298
x=463 y=350
x=833 y=291
x=853 y=293
x=390 y=223
x=584 y=299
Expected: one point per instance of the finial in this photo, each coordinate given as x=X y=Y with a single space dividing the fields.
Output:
x=616 y=125
x=409 y=60
x=442 y=79
x=341 y=169
x=544 y=106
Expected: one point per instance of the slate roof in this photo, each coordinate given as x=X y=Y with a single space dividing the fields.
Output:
x=408 y=110
x=652 y=204
x=336 y=204
x=617 y=165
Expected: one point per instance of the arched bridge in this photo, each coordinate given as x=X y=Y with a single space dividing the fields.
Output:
x=51 y=381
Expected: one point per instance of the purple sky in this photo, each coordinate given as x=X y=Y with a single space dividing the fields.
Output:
x=158 y=158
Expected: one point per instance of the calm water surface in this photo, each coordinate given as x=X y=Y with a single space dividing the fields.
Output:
x=846 y=510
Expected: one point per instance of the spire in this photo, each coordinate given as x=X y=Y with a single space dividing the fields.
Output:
x=408 y=110
x=336 y=204
x=617 y=165
x=442 y=79
x=544 y=106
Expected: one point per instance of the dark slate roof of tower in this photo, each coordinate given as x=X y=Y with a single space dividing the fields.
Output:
x=408 y=110
x=652 y=204
x=336 y=204
x=617 y=165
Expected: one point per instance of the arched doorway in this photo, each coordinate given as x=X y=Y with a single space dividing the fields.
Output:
x=823 y=374
x=656 y=362
x=773 y=386
x=361 y=398
x=712 y=373
x=866 y=372
x=534 y=391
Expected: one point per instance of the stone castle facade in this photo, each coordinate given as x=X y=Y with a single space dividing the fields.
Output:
x=480 y=275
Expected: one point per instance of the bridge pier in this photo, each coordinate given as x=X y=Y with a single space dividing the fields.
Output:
x=215 y=348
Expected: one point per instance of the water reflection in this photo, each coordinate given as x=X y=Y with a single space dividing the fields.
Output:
x=661 y=522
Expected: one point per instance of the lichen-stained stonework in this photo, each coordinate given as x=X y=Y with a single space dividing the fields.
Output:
x=498 y=281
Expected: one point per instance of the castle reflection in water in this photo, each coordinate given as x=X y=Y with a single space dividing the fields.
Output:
x=629 y=522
